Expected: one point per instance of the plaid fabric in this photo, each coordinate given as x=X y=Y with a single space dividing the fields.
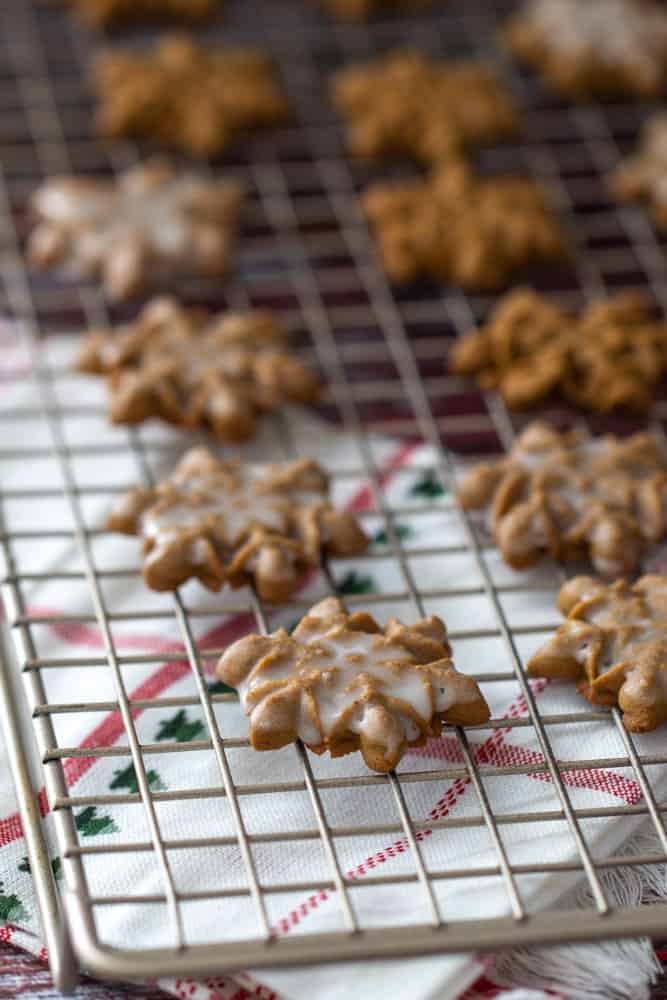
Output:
x=23 y=975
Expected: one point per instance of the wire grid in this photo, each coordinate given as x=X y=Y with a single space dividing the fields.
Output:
x=306 y=252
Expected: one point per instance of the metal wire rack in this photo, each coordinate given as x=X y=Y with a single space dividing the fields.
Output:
x=306 y=252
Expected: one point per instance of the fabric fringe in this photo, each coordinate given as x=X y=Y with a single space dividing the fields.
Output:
x=611 y=970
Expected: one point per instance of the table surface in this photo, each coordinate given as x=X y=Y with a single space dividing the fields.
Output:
x=22 y=975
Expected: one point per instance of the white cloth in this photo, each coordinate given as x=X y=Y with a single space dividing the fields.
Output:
x=282 y=862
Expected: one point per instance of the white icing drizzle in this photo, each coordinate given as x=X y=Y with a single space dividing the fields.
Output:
x=154 y=208
x=574 y=487
x=615 y=31
x=335 y=665
x=237 y=503
x=629 y=624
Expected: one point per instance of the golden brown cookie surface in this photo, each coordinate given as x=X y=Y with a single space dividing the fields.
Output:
x=185 y=95
x=342 y=683
x=604 y=499
x=229 y=522
x=608 y=357
x=108 y=13
x=642 y=177
x=600 y=48
x=407 y=104
x=460 y=229
x=614 y=644
x=188 y=369
x=149 y=224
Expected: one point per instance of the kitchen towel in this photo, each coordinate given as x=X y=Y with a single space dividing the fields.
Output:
x=452 y=586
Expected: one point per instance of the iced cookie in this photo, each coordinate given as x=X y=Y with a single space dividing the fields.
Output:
x=148 y=225
x=186 y=368
x=574 y=497
x=342 y=683
x=642 y=177
x=226 y=522
x=594 y=48
x=614 y=645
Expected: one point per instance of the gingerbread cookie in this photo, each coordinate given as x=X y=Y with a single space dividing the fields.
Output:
x=226 y=522
x=184 y=95
x=598 y=48
x=643 y=176
x=460 y=229
x=109 y=13
x=573 y=497
x=358 y=10
x=148 y=225
x=407 y=104
x=342 y=683
x=614 y=644
x=610 y=356
x=185 y=368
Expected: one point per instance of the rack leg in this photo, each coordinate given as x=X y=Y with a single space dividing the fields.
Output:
x=64 y=968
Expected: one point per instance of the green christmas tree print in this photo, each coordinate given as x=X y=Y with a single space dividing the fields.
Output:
x=126 y=779
x=89 y=824
x=402 y=531
x=56 y=867
x=217 y=687
x=355 y=583
x=428 y=487
x=180 y=729
x=11 y=907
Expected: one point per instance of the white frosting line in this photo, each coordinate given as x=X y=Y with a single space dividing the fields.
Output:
x=234 y=502
x=614 y=31
x=336 y=667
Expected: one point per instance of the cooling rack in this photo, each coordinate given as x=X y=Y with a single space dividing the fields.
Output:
x=305 y=252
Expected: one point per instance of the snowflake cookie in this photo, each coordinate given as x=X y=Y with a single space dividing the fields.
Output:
x=408 y=104
x=185 y=95
x=608 y=357
x=574 y=497
x=614 y=644
x=148 y=225
x=223 y=521
x=461 y=229
x=643 y=176
x=186 y=368
x=342 y=683
x=601 y=48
